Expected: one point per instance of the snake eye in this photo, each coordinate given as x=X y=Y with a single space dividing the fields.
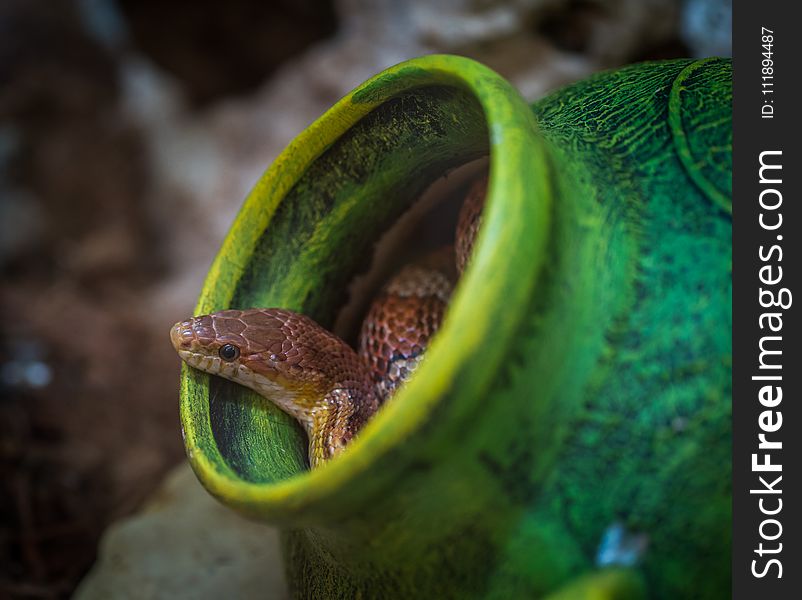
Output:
x=228 y=352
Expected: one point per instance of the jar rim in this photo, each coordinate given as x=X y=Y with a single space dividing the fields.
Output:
x=514 y=234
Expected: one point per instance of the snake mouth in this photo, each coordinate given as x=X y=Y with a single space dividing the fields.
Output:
x=184 y=339
x=309 y=226
x=188 y=339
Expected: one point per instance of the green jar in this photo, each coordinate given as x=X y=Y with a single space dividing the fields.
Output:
x=581 y=383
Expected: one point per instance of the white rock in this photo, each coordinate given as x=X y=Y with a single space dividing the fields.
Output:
x=186 y=545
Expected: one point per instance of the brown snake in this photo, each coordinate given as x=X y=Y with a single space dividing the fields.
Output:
x=311 y=373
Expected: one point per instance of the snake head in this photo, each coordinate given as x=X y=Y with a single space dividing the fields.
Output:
x=282 y=355
x=213 y=343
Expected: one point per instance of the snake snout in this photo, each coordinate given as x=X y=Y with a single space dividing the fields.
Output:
x=193 y=334
x=182 y=334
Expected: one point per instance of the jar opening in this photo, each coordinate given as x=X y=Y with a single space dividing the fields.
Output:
x=310 y=225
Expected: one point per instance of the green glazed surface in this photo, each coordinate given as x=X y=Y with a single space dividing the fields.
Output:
x=582 y=376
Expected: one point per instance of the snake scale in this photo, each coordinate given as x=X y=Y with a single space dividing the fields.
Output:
x=313 y=375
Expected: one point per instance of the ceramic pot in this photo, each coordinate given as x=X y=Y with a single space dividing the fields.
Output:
x=569 y=431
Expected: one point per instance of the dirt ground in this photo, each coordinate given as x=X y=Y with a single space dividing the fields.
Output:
x=88 y=387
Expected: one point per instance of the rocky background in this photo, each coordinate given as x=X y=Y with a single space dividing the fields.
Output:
x=130 y=131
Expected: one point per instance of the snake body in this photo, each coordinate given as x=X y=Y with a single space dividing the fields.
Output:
x=313 y=375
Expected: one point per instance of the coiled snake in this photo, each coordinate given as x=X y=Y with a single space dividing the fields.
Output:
x=311 y=373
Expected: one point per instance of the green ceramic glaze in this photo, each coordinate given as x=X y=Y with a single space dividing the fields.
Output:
x=582 y=376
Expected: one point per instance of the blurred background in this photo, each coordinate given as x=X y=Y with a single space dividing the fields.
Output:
x=130 y=131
